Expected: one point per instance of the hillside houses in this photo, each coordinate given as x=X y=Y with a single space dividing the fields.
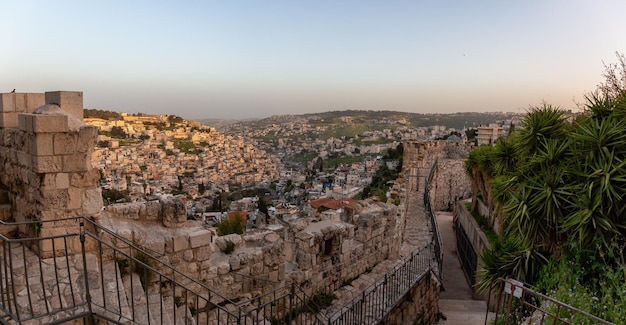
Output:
x=162 y=155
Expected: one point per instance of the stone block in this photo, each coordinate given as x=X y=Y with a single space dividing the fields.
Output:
x=200 y=238
x=62 y=180
x=8 y=120
x=153 y=209
x=64 y=143
x=7 y=102
x=41 y=144
x=256 y=269
x=188 y=255
x=156 y=246
x=50 y=123
x=235 y=262
x=24 y=102
x=274 y=276
x=193 y=269
x=47 y=164
x=78 y=162
x=203 y=253
x=87 y=138
x=69 y=101
x=25 y=122
x=54 y=199
x=223 y=268
x=92 y=201
x=31 y=102
x=75 y=198
x=180 y=242
x=85 y=179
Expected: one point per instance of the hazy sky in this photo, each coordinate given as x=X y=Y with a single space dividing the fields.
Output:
x=238 y=59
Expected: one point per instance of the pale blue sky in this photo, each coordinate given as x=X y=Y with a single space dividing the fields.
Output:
x=238 y=59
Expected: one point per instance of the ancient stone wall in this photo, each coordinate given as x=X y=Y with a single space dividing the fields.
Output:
x=419 y=306
x=449 y=181
x=327 y=253
x=45 y=161
x=253 y=264
x=171 y=212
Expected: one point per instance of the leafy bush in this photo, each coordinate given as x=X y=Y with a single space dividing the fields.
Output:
x=230 y=247
x=236 y=225
x=589 y=281
x=320 y=301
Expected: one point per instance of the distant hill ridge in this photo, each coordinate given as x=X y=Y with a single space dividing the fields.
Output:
x=372 y=120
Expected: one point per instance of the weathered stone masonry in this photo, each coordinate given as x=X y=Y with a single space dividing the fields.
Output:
x=44 y=161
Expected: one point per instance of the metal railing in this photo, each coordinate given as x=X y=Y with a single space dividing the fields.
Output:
x=89 y=272
x=380 y=298
x=518 y=304
x=428 y=207
x=377 y=300
x=467 y=254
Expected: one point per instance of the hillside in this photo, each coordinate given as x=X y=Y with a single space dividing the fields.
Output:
x=350 y=123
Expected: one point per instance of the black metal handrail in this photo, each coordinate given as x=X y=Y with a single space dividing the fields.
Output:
x=176 y=294
x=428 y=206
x=387 y=292
x=377 y=300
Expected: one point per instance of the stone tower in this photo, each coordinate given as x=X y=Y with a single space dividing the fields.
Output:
x=45 y=165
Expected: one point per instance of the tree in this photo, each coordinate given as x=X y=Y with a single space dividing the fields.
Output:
x=262 y=204
x=104 y=144
x=318 y=164
x=118 y=132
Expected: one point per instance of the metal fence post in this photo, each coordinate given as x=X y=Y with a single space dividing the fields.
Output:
x=86 y=273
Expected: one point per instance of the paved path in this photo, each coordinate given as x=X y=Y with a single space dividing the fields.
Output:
x=417 y=228
x=456 y=302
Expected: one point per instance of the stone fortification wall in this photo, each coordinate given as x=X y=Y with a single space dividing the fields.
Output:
x=171 y=212
x=255 y=265
x=450 y=181
x=327 y=253
x=45 y=161
x=419 y=306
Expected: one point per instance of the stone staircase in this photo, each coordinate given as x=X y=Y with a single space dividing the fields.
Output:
x=48 y=290
x=463 y=312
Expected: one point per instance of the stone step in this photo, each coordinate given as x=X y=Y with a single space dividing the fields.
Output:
x=463 y=305
x=9 y=231
x=463 y=312
x=113 y=295
x=136 y=297
x=165 y=310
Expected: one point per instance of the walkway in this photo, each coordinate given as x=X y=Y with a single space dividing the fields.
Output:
x=417 y=227
x=456 y=302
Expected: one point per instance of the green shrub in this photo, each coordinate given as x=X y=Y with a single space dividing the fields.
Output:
x=236 y=225
x=230 y=247
x=178 y=301
x=320 y=301
x=122 y=265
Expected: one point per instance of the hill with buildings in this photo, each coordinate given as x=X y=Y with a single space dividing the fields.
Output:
x=345 y=136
